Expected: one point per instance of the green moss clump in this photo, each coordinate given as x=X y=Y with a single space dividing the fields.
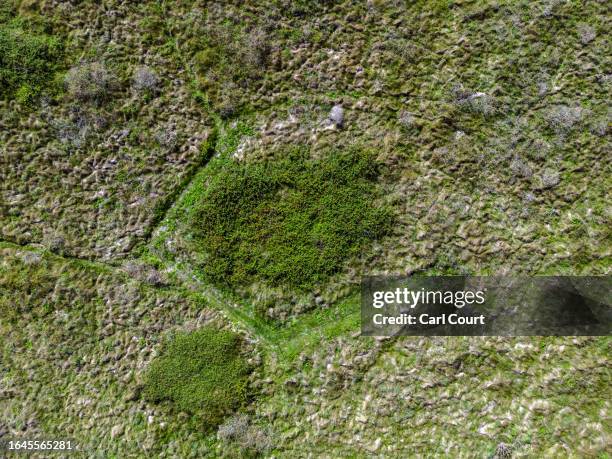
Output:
x=28 y=60
x=202 y=373
x=291 y=222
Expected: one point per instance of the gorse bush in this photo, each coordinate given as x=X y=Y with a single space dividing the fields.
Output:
x=291 y=222
x=202 y=373
x=28 y=60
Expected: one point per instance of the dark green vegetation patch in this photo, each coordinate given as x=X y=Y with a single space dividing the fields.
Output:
x=29 y=58
x=202 y=373
x=289 y=222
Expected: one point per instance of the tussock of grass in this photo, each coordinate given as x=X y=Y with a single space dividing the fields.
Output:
x=201 y=373
x=289 y=222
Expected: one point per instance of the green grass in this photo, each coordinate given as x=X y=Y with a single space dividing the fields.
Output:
x=290 y=222
x=228 y=57
x=320 y=325
x=29 y=59
x=202 y=373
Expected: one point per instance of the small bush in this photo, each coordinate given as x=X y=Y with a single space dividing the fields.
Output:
x=520 y=169
x=206 y=59
x=250 y=440
x=586 y=33
x=202 y=373
x=8 y=10
x=258 y=50
x=145 y=80
x=475 y=102
x=290 y=222
x=563 y=118
x=89 y=82
x=407 y=119
x=167 y=137
x=25 y=94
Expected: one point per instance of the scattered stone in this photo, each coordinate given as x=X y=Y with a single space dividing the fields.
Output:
x=31 y=258
x=375 y=446
x=550 y=178
x=541 y=406
x=587 y=33
x=336 y=116
x=117 y=431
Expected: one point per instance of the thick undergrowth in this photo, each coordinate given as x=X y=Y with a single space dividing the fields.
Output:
x=29 y=57
x=202 y=373
x=289 y=222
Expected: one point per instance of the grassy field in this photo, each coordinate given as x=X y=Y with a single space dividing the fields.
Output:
x=191 y=191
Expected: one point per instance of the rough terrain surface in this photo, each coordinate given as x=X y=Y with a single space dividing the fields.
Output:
x=489 y=127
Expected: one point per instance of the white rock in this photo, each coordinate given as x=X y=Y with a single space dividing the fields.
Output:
x=336 y=115
x=116 y=431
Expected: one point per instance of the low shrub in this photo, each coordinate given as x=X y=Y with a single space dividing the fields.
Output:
x=145 y=80
x=293 y=221
x=202 y=373
x=89 y=82
x=563 y=118
x=246 y=438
